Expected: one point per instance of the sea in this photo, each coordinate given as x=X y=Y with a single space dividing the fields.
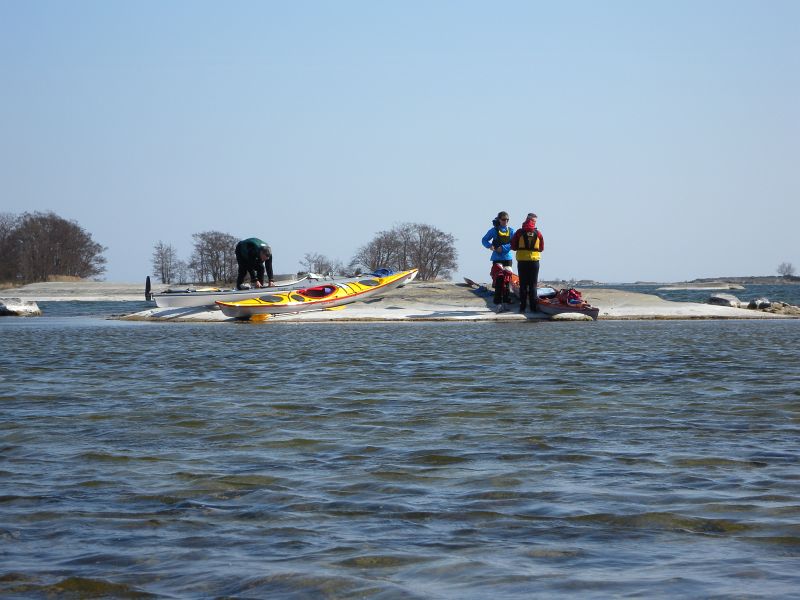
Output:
x=608 y=459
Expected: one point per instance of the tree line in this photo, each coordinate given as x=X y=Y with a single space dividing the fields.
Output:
x=212 y=261
x=40 y=245
x=37 y=246
x=406 y=246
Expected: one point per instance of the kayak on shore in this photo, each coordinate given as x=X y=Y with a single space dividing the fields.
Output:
x=321 y=297
x=550 y=300
x=207 y=296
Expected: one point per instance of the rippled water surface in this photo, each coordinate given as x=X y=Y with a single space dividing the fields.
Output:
x=607 y=459
x=789 y=293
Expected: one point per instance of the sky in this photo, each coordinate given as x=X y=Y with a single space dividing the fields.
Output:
x=656 y=140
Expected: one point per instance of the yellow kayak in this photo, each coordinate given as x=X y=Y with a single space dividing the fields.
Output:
x=319 y=297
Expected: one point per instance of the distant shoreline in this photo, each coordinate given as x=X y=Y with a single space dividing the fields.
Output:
x=703 y=283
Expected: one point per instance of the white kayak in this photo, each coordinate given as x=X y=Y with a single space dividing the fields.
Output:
x=207 y=296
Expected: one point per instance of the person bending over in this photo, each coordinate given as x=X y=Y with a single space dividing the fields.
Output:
x=253 y=257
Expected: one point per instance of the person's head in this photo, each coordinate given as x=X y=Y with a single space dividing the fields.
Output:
x=530 y=222
x=501 y=220
x=264 y=252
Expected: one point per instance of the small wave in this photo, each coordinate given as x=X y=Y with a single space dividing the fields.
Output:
x=70 y=587
x=668 y=522
x=431 y=458
x=381 y=561
x=714 y=461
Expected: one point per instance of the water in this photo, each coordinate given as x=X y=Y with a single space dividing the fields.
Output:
x=426 y=460
x=789 y=293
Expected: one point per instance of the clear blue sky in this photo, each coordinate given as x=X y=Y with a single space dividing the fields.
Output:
x=656 y=140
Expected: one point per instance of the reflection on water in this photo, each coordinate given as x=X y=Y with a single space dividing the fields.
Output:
x=399 y=460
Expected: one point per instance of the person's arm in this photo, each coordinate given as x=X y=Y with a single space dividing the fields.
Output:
x=268 y=265
x=541 y=242
x=486 y=241
x=256 y=273
x=515 y=240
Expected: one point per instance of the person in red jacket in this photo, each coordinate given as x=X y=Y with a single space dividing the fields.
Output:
x=528 y=244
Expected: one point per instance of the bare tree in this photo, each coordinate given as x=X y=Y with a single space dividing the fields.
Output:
x=320 y=264
x=411 y=245
x=165 y=259
x=378 y=253
x=214 y=257
x=434 y=252
x=182 y=271
x=786 y=269
x=9 y=248
x=46 y=245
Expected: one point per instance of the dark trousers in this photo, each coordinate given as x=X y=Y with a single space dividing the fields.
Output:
x=528 y=281
x=502 y=289
x=248 y=265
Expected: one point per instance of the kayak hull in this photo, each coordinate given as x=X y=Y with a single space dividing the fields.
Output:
x=320 y=297
x=551 y=306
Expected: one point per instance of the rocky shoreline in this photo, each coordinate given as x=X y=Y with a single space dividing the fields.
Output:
x=417 y=301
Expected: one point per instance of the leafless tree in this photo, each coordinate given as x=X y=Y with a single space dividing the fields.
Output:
x=434 y=252
x=214 y=257
x=322 y=265
x=378 y=253
x=45 y=245
x=411 y=245
x=9 y=248
x=786 y=269
x=165 y=259
x=182 y=271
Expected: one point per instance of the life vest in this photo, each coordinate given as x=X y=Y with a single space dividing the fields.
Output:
x=569 y=296
x=501 y=237
x=528 y=245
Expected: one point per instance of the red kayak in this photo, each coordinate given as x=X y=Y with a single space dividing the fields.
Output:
x=567 y=301
x=556 y=302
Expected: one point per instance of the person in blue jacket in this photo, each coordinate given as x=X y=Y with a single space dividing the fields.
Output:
x=498 y=240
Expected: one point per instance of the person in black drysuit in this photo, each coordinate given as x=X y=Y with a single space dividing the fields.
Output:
x=254 y=257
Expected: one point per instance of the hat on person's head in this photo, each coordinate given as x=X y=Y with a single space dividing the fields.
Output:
x=532 y=216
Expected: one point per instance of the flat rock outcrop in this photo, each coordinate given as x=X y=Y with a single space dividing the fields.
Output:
x=418 y=301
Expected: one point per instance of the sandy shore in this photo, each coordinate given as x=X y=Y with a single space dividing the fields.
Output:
x=418 y=301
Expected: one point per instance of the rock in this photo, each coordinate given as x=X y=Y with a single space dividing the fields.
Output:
x=725 y=300
x=782 y=308
x=15 y=307
x=759 y=303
